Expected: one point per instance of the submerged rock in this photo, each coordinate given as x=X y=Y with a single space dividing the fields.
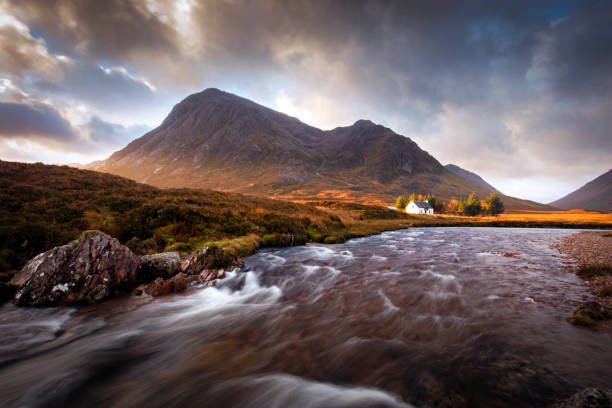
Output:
x=87 y=269
x=164 y=265
x=590 y=312
x=588 y=398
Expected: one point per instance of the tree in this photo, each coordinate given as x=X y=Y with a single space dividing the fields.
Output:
x=495 y=204
x=401 y=202
x=472 y=205
x=461 y=206
x=451 y=206
x=412 y=197
x=437 y=206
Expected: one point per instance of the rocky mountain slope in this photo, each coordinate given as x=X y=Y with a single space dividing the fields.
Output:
x=470 y=177
x=594 y=195
x=220 y=141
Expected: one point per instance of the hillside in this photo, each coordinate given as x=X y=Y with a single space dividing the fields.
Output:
x=216 y=140
x=470 y=177
x=595 y=195
x=42 y=206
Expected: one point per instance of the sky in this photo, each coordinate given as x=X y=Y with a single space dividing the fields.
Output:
x=519 y=92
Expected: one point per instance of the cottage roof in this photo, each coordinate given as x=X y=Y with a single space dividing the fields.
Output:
x=422 y=204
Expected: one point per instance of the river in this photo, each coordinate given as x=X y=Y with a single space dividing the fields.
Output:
x=445 y=317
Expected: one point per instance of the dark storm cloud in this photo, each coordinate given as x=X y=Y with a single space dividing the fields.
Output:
x=576 y=51
x=39 y=121
x=108 y=29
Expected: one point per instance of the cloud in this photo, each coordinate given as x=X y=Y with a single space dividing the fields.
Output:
x=38 y=129
x=113 y=135
x=41 y=122
x=513 y=90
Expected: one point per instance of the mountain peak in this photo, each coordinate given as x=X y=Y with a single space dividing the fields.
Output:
x=218 y=140
x=364 y=122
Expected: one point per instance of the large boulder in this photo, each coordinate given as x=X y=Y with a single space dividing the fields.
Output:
x=588 y=398
x=208 y=258
x=87 y=269
x=164 y=265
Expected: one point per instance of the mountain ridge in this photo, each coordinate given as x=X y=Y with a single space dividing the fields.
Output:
x=217 y=140
x=470 y=177
x=594 y=195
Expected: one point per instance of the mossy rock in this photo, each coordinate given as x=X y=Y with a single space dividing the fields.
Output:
x=588 y=313
x=579 y=319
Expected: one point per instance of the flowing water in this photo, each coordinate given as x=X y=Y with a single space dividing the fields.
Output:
x=445 y=317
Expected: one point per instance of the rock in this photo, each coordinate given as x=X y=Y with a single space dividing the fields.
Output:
x=87 y=269
x=161 y=287
x=164 y=265
x=588 y=398
x=209 y=275
x=590 y=312
x=208 y=258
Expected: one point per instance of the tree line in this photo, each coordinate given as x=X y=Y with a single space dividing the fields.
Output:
x=470 y=206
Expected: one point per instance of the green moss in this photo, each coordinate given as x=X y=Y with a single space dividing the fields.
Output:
x=180 y=247
x=314 y=235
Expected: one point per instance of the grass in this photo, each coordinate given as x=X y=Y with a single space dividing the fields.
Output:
x=572 y=217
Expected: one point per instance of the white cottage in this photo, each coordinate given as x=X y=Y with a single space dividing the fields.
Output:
x=419 y=207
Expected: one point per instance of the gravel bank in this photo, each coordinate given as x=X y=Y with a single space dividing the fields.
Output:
x=589 y=249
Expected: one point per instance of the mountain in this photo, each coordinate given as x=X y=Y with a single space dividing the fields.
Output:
x=221 y=141
x=594 y=195
x=470 y=177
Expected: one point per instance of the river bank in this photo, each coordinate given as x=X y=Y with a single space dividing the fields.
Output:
x=592 y=253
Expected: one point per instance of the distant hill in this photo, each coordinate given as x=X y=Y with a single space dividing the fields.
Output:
x=221 y=141
x=470 y=177
x=594 y=195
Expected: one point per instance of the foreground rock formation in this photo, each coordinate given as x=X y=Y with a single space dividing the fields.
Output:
x=87 y=269
x=95 y=266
